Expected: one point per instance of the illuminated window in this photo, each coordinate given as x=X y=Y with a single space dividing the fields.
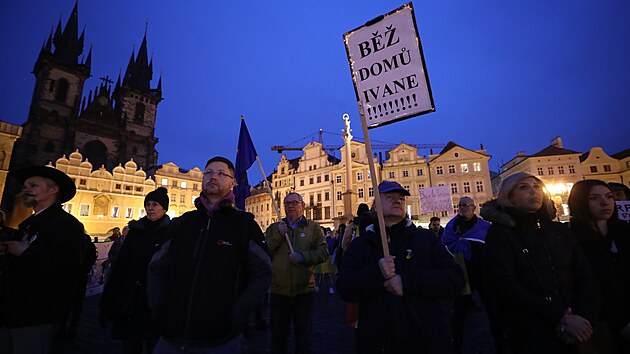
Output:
x=165 y=181
x=476 y=166
x=184 y=184
x=84 y=210
x=129 y=213
x=115 y=212
x=464 y=167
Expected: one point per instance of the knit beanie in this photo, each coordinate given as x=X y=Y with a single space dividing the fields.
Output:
x=160 y=196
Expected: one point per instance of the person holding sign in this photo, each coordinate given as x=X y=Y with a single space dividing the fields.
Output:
x=292 y=280
x=398 y=295
x=606 y=242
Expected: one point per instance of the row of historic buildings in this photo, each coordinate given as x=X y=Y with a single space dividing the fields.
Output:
x=322 y=179
x=105 y=141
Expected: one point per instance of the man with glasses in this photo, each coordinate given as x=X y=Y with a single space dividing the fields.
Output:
x=206 y=281
x=465 y=236
x=292 y=281
x=399 y=295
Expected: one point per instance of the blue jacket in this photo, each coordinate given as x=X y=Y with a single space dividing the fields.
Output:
x=415 y=322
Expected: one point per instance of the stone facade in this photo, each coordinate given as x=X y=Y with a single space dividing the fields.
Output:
x=8 y=134
x=322 y=180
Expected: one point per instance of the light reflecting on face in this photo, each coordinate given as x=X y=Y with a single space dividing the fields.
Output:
x=36 y=191
x=394 y=205
x=154 y=210
x=293 y=206
x=527 y=195
x=601 y=203
x=217 y=179
x=466 y=208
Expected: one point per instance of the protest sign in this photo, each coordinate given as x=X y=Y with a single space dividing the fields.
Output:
x=388 y=68
x=623 y=210
x=435 y=199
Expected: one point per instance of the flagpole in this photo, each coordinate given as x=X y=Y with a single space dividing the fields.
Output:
x=275 y=206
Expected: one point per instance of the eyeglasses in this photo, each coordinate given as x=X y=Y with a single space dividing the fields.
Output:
x=293 y=202
x=465 y=205
x=218 y=173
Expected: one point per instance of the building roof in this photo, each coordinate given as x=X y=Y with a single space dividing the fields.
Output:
x=621 y=155
x=552 y=151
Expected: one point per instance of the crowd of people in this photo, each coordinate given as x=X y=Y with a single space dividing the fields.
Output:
x=191 y=284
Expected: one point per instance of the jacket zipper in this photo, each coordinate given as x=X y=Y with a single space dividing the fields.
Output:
x=198 y=255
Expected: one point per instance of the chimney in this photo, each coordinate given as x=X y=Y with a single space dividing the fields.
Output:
x=520 y=153
x=557 y=142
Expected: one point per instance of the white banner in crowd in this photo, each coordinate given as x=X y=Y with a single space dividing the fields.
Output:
x=435 y=199
x=388 y=69
x=623 y=210
x=95 y=279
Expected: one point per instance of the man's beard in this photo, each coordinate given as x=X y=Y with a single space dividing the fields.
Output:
x=29 y=202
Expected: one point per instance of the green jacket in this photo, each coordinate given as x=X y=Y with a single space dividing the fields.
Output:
x=307 y=239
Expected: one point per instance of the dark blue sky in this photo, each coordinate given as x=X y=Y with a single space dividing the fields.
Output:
x=510 y=75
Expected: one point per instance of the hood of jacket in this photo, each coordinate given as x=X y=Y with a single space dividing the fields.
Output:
x=491 y=211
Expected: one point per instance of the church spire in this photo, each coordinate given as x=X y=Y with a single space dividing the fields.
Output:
x=68 y=45
x=139 y=71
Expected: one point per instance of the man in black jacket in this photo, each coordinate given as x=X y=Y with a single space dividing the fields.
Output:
x=39 y=279
x=398 y=295
x=206 y=281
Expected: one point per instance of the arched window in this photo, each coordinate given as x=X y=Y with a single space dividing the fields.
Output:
x=139 y=116
x=62 y=90
x=96 y=153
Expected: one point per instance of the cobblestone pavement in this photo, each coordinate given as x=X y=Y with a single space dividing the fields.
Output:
x=330 y=334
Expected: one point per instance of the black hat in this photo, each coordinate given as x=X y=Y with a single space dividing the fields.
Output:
x=160 y=196
x=67 y=189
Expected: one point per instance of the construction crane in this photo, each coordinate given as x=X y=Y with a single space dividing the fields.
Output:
x=387 y=146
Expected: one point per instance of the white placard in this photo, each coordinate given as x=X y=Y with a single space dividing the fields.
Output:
x=435 y=199
x=388 y=69
x=623 y=210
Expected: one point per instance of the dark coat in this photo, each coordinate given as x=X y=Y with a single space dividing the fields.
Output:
x=125 y=295
x=536 y=271
x=209 y=278
x=415 y=322
x=612 y=268
x=40 y=285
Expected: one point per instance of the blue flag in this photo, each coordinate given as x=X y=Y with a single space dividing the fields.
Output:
x=245 y=157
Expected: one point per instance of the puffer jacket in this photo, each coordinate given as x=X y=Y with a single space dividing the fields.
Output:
x=414 y=322
x=289 y=279
x=536 y=271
